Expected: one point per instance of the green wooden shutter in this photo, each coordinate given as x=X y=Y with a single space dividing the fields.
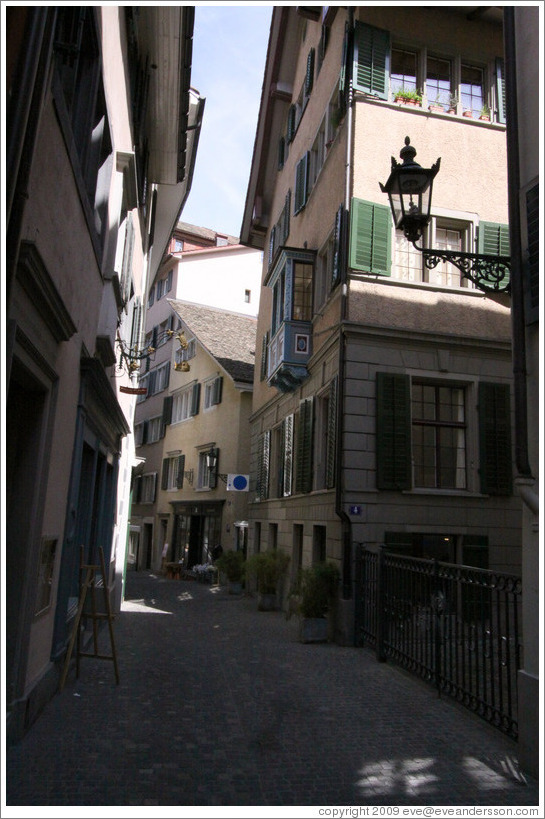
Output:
x=195 y=398
x=309 y=76
x=496 y=469
x=263 y=466
x=180 y=472
x=371 y=60
x=301 y=183
x=287 y=446
x=217 y=390
x=164 y=475
x=290 y=132
x=500 y=89
x=493 y=240
x=337 y=248
x=264 y=356
x=304 y=446
x=331 y=457
x=370 y=237
x=393 y=426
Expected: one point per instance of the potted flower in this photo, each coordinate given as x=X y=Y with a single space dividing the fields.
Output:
x=408 y=96
x=317 y=598
x=269 y=569
x=453 y=105
x=485 y=113
x=468 y=113
x=436 y=106
x=231 y=564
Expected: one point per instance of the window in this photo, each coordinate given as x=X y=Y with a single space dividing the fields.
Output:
x=472 y=89
x=263 y=464
x=403 y=70
x=138 y=434
x=159 y=378
x=151 y=297
x=185 y=404
x=301 y=183
x=148 y=487
x=381 y=69
x=247 y=296
x=155 y=429
x=212 y=392
x=443 y=234
x=207 y=477
x=221 y=241
x=143 y=383
x=186 y=354
x=302 y=291
x=178 y=245
x=173 y=472
x=421 y=435
x=324 y=272
x=438 y=436
x=438 y=81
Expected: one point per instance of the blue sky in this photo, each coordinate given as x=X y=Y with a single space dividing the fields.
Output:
x=229 y=50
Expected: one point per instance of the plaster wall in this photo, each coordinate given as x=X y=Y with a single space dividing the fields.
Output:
x=219 y=278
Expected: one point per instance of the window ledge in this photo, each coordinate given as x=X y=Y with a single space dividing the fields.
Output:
x=424 y=112
x=393 y=282
x=458 y=493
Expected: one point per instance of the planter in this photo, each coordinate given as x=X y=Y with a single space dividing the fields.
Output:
x=266 y=601
x=468 y=114
x=437 y=109
x=484 y=118
x=451 y=111
x=314 y=630
x=407 y=101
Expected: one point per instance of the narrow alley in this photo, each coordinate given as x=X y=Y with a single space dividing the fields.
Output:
x=221 y=705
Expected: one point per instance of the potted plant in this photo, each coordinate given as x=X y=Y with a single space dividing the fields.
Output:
x=317 y=597
x=269 y=569
x=485 y=113
x=453 y=105
x=468 y=113
x=437 y=106
x=231 y=563
x=408 y=96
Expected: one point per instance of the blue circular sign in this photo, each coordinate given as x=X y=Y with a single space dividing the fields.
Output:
x=240 y=482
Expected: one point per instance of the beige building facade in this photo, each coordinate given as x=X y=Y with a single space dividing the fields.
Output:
x=376 y=323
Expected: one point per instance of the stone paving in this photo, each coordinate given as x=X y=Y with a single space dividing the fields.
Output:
x=221 y=705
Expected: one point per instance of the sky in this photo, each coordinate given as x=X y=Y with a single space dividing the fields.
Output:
x=229 y=50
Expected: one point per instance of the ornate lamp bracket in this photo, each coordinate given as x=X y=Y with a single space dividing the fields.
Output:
x=491 y=274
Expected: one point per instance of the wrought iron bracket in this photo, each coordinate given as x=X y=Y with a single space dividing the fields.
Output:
x=488 y=273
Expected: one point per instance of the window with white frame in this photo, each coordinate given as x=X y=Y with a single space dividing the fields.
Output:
x=159 y=378
x=185 y=404
x=138 y=434
x=186 y=354
x=443 y=233
x=212 y=391
x=171 y=472
x=324 y=272
x=155 y=428
x=204 y=471
x=148 y=488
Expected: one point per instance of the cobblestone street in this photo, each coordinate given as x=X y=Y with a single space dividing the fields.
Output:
x=221 y=705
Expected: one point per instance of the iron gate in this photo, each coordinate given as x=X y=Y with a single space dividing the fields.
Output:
x=456 y=627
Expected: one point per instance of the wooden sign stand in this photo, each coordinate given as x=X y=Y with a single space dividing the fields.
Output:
x=91 y=576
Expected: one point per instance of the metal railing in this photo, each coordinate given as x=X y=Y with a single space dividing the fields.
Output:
x=456 y=627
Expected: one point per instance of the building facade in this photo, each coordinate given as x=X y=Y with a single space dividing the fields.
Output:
x=219 y=282
x=91 y=177
x=383 y=408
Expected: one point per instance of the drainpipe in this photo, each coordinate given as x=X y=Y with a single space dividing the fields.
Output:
x=517 y=292
x=347 y=556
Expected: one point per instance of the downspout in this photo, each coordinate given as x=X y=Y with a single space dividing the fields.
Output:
x=347 y=556
x=517 y=291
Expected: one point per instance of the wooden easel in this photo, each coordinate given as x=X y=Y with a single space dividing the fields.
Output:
x=91 y=576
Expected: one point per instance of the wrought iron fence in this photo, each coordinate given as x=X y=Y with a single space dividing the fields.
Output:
x=456 y=627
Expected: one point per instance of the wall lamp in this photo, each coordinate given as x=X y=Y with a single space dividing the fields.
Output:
x=409 y=189
x=212 y=463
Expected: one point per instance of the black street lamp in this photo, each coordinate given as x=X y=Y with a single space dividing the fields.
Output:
x=409 y=189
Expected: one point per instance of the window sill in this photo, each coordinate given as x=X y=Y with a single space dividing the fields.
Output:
x=425 y=112
x=458 y=493
x=437 y=288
